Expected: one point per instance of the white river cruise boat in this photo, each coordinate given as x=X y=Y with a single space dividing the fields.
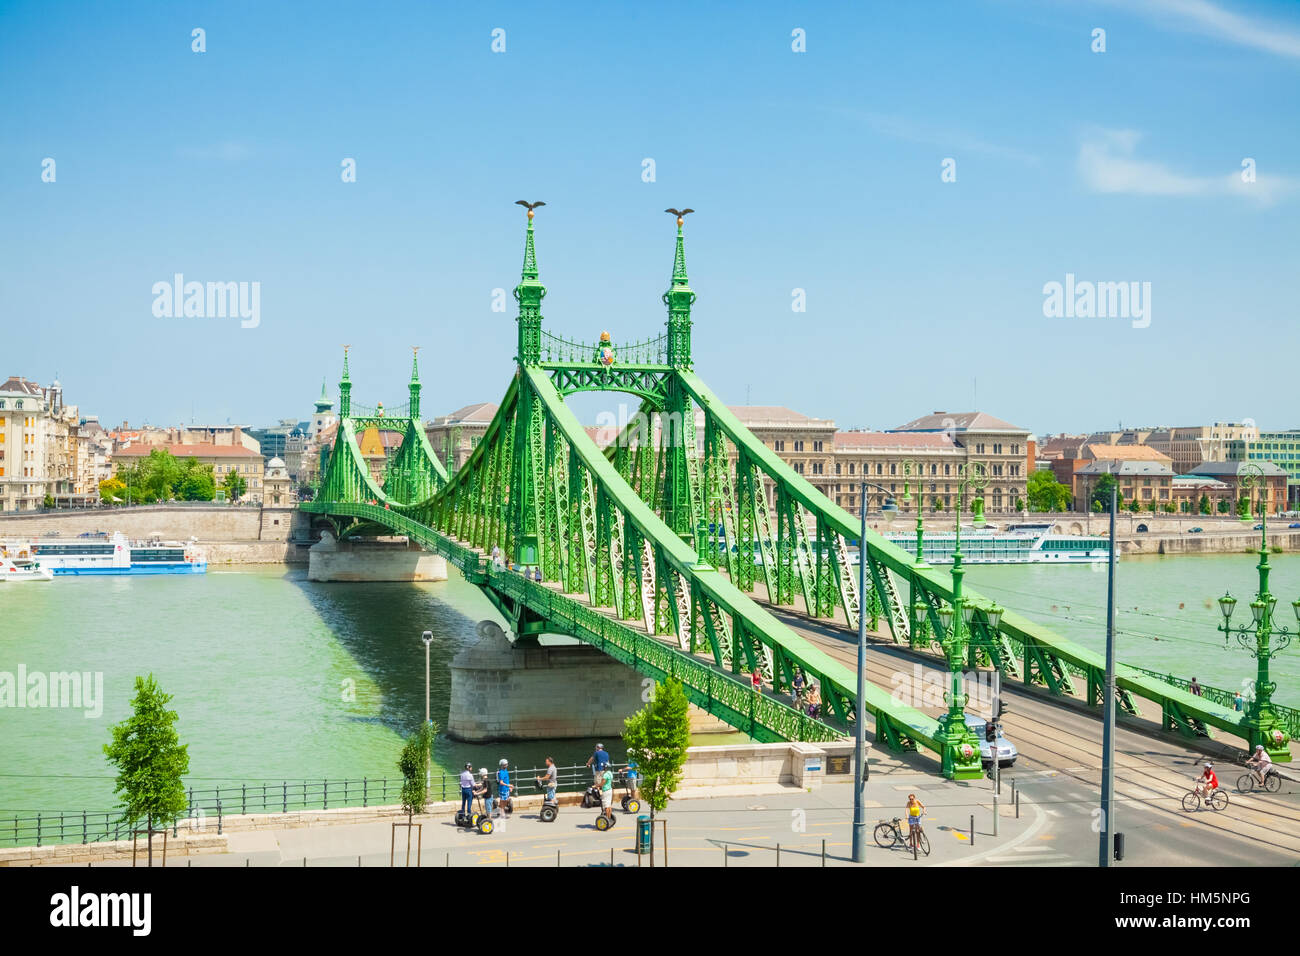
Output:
x=101 y=553
x=1027 y=543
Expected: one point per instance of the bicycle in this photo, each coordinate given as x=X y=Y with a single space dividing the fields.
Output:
x=1216 y=800
x=889 y=834
x=1248 y=782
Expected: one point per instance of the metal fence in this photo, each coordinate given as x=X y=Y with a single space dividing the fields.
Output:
x=211 y=805
x=1290 y=716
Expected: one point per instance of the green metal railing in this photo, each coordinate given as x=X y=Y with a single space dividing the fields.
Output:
x=1290 y=716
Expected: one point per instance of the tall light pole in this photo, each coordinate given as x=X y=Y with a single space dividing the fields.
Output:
x=860 y=710
x=427 y=637
x=1105 y=848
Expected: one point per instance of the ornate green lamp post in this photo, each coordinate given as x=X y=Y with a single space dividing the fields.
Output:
x=961 y=753
x=1262 y=639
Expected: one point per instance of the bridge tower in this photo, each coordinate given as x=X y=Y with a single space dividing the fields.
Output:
x=527 y=465
x=678 y=430
x=345 y=388
x=415 y=384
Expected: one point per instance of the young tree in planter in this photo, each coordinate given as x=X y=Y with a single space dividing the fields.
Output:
x=414 y=764
x=150 y=760
x=656 y=738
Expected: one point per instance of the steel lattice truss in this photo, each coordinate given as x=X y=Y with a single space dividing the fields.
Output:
x=664 y=548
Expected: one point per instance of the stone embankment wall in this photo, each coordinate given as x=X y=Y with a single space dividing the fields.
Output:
x=228 y=534
x=1206 y=543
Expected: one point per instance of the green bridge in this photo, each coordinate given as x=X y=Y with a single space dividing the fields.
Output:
x=666 y=548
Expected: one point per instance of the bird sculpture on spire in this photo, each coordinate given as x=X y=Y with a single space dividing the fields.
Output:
x=530 y=206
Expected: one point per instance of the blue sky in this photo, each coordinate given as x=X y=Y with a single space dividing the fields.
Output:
x=818 y=171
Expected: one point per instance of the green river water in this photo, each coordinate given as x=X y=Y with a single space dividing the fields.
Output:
x=277 y=678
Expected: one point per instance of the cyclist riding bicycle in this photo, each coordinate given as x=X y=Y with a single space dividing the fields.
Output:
x=915 y=811
x=1207 y=782
x=1260 y=764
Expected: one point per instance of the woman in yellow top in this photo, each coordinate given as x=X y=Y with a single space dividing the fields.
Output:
x=915 y=810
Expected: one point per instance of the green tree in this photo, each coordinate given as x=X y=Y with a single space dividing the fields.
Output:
x=197 y=482
x=1045 y=493
x=414 y=764
x=48 y=502
x=1223 y=506
x=656 y=738
x=1169 y=508
x=1204 y=505
x=1133 y=506
x=112 y=490
x=234 y=484
x=1101 y=492
x=150 y=760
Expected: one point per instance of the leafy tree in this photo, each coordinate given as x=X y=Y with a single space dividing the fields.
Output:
x=1223 y=506
x=936 y=504
x=1204 y=505
x=1045 y=493
x=1169 y=508
x=150 y=760
x=111 y=490
x=657 y=737
x=197 y=483
x=1020 y=504
x=48 y=502
x=1133 y=506
x=234 y=484
x=414 y=764
x=1101 y=491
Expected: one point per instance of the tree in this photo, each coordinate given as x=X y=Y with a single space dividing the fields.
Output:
x=1169 y=508
x=197 y=481
x=1223 y=506
x=656 y=738
x=1020 y=504
x=112 y=490
x=1133 y=506
x=150 y=760
x=414 y=764
x=48 y=502
x=234 y=484
x=1101 y=491
x=1204 y=505
x=1045 y=493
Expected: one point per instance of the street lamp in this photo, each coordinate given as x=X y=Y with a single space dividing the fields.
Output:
x=860 y=710
x=1262 y=639
x=427 y=637
x=959 y=747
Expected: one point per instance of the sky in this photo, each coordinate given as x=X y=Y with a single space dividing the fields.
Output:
x=915 y=177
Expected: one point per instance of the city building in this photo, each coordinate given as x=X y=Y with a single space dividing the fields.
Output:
x=1083 y=477
x=1147 y=480
x=42 y=451
x=453 y=437
x=896 y=461
x=1192 y=444
x=1006 y=450
x=224 y=459
x=1235 y=474
x=1280 y=448
x=277 y=487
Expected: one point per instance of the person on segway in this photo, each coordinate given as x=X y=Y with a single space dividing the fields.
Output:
x=551 y=780
x=607 y=795
x=503 y=787
x=484 y=789
x=631 y=801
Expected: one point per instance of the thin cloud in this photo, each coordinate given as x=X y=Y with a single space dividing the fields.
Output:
x=1208 y=19
x=957 y=141
x=226 y=152
x=1108 y=164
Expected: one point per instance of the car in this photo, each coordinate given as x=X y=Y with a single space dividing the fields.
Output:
x=1007 y=752
x=1195 y=530
x=1294 y=524
x=1259 y=527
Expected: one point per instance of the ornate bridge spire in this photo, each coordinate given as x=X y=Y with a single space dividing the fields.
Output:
x=529 y=294
x=679 y=299
x=415 y=382
x=345 y=388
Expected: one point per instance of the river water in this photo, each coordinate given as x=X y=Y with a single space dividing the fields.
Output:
x=276 y=677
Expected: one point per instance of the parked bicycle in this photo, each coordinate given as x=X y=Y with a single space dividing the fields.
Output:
x=889 y=834
x=1217 y=799
x=1248 y=782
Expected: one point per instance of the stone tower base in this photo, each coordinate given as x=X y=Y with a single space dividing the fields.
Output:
x=366 y=559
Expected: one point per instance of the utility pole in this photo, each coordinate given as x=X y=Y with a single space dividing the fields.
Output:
x=859 y=749
x=1108 y=706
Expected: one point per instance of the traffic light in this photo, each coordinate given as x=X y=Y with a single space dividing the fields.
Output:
x=1002 y=708
x=990 y=731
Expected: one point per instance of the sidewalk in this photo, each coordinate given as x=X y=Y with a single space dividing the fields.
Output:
x=731 y=826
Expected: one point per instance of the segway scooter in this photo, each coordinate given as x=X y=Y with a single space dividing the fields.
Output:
x=603 y=822
x=550 y=805
x=629 y=802
x=475 y=821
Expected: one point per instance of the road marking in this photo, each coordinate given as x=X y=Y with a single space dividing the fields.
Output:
x=1034 y=849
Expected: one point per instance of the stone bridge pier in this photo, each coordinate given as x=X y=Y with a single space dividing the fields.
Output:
x=505 y=691
x=372 y=559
